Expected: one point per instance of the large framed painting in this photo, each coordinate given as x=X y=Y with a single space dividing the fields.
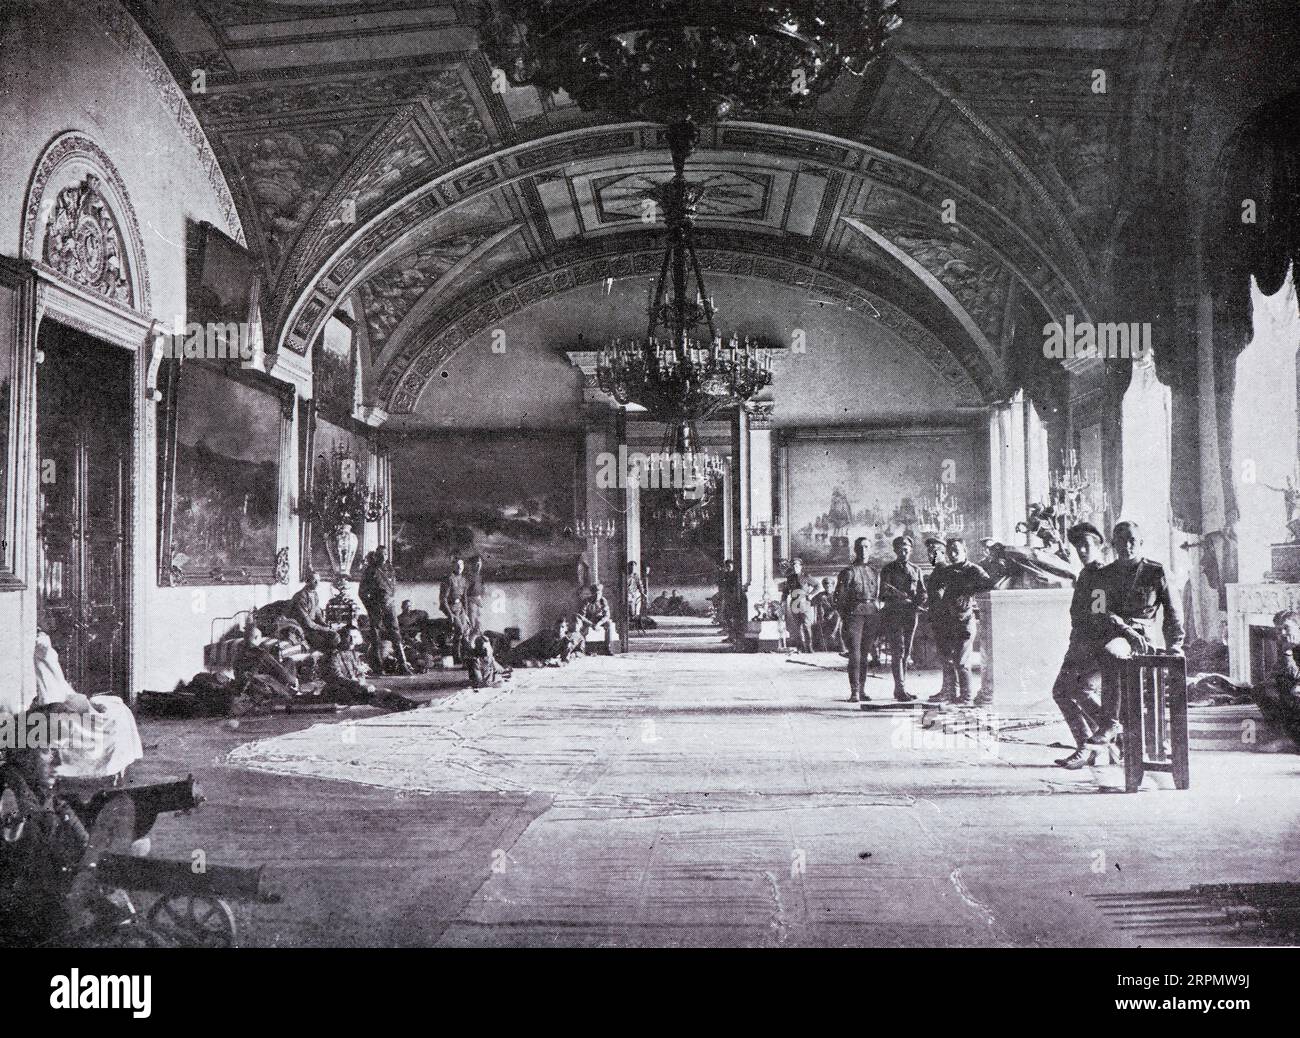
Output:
x=221 y=447
x=508 y=498
x=335 y=384
x=879 y=487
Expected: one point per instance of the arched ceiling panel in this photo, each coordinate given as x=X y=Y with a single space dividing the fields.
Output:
x=328 y=114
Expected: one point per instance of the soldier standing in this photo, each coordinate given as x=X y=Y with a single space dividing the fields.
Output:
x=953 y=615
x=797 y=592
x=902 y=595
x=451 y=600
x=474 y=597
x=378 y=593
x=856 y=599
x=1134 y=588
x=1077 y=689
x=938 y=554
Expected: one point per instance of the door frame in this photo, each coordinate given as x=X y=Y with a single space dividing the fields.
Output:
x=73 y=158
x=117 y=328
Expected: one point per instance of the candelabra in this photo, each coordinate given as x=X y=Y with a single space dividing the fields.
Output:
x=941 y=513
x=1075 y=495
x=595 y=529
x=765 y=531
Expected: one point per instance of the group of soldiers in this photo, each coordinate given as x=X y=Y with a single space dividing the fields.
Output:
x=1113 y=614
x=888 y=604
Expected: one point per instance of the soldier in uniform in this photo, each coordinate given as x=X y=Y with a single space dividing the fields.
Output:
x=597 y=616
x=378 y=593
x=797 y=592
x=857 y=600
x=1134 y=588
x=938 y=553
x=305 y=610
x=952 y=613
x=1077 y=689
x=451 y=600
x=902 y=595
x=474 y=597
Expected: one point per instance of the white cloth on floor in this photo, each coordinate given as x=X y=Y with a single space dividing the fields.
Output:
x=97 y=744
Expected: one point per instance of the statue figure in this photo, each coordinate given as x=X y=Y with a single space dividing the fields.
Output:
x=1291 y=499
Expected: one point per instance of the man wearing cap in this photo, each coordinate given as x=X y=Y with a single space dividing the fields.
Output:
x=856 y=599
x=1133 y=589
x=952 y=612
x=938 y=553
x=1077 y=689
x=902 y=596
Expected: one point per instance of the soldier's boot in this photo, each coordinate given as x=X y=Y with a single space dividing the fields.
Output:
x=1105 y=734
x=944 y=695
x=1078 y=760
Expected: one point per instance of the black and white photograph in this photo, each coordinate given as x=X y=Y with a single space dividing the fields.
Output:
x=587 y=475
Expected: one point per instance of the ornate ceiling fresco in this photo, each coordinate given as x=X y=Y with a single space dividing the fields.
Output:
x=372 y=161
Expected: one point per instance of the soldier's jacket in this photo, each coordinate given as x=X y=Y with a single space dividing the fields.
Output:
x=855 y=590
x=1087 y=613
x=902 y=587
x=378 y=583
x=1135 y=593
x=953 y=587
x=452 y=594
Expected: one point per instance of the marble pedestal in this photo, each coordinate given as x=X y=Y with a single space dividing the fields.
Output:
x=1023 y=637
x=764 y=635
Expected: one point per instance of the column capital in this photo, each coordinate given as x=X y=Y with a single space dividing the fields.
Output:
x=760 y=414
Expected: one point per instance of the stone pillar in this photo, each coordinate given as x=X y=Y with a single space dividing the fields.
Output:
x=1007 y=468
x=1146 y=429
x=601 y=503
x=756 y=498
x=728 y=511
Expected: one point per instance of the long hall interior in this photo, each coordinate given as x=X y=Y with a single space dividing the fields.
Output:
x=658 y=474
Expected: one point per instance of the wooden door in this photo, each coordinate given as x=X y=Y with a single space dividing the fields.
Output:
x=84 y=438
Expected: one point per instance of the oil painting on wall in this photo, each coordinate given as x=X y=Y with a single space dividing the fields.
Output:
x=508 y=499
x=227 y=477
x=841 y=490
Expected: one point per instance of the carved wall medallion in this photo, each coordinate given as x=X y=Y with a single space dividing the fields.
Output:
x=84 y=244
x=87 y=232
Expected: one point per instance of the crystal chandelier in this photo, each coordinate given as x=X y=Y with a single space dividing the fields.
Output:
x=684 y=63
x=685 y=60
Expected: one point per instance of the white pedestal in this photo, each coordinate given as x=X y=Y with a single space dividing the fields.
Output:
x=765 y=635
x=1023 y=638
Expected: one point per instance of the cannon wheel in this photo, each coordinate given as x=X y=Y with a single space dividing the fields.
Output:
x=195 y=920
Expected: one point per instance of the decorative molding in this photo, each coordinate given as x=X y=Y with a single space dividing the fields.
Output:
x=83 y=242
x=108 y=195
x=1068 y=238
x=132 y=39
x=406 y=375
x=760 y=414
x=352 y=258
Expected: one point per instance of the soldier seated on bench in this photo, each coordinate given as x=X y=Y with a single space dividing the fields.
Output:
x=1132 y=589
x=1278 y=698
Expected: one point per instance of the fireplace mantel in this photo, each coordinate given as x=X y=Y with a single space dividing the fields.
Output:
x=1253 y=605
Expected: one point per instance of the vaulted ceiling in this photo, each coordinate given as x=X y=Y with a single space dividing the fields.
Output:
x=958 y=194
